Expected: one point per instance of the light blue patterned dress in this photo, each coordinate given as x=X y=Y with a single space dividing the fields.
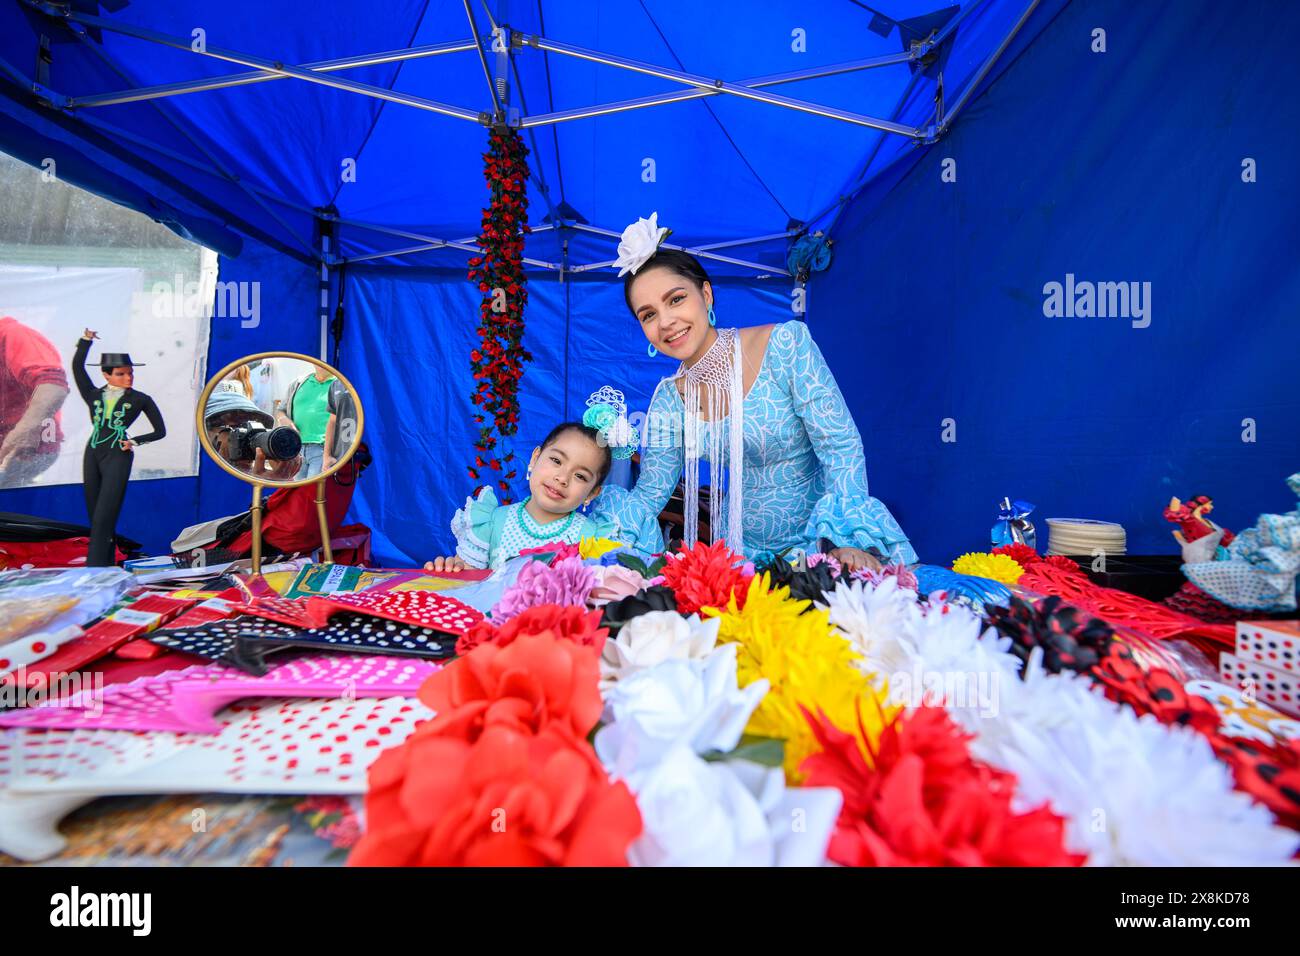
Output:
x=805 y=474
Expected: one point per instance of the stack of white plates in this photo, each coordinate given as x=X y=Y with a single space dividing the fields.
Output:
x=1084 y=536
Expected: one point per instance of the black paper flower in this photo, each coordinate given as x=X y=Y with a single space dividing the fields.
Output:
x=657 y=598
x=809 y=585
x=1069 y=637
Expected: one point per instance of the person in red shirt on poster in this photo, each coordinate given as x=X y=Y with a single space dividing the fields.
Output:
x=33 y=386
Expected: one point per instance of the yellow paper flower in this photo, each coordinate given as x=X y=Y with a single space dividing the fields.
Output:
x=805 y=661
x=997 y=567
x=595 y=547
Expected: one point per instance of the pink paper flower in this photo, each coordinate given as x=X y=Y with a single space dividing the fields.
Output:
x=906 y=579
x=567 y=582
x=613 y=583
x=559 y=549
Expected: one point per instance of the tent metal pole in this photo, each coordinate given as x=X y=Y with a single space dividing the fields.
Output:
x=984 y=69
x=699 y=251
x=261 y=76
x=702 y=251
x=721 y=86
x=482 y=58
x=244 y=59
x=749 y=242
x=19 y=77
x=425 y=247
x=679 y=96
x=466 y=245
x=80 y=32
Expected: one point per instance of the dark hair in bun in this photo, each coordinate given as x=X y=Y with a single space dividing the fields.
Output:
x=674 y=260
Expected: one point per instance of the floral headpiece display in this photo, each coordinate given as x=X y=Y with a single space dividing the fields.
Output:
x=639 y=242
x=607 y=413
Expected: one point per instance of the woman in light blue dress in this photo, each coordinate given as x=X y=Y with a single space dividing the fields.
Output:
x=802 y=475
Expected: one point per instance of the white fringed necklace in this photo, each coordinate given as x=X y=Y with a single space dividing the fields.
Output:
x=713 y=385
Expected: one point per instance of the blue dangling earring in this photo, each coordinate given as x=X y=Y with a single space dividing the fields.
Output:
x=651 y=350
x=713 y=319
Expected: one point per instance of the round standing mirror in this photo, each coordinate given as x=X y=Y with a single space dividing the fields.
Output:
x=279 y=419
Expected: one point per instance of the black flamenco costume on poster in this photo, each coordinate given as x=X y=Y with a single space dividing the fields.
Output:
x=106 y=465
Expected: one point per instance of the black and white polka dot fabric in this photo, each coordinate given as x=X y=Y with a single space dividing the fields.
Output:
x=220 y=640
x=373 y=635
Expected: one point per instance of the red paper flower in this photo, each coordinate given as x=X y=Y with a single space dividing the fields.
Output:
x=507 y=799
x=1069 y=565
x=538 y=680
x=571 y=623
x=919 y=799
x=706 y=576
x=1022 y=554
x=1269 y=774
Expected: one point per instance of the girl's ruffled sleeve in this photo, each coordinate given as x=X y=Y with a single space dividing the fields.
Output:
x=846 y=514
x=633 y=516
x=472 y=526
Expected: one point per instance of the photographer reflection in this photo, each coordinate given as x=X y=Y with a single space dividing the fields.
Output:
x=248 y=438
x=311 y=408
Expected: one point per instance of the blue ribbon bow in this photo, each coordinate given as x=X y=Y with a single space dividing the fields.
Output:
x=1014 y=526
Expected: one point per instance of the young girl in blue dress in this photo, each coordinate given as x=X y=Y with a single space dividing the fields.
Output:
x=566 y=473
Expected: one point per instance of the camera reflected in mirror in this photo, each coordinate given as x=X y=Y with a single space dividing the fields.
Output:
x=280 y=419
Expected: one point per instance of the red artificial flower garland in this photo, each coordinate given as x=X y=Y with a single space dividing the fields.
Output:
x=498 y=362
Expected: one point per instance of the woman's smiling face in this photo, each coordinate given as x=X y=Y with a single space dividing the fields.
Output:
x=673 y=312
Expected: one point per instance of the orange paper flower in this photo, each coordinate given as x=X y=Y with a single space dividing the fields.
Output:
x=538 y=680
x=508 y=799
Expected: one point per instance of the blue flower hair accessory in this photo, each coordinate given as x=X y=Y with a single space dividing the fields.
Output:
x=607 y=413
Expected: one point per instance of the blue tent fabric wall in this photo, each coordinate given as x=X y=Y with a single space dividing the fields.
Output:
x=406 y=337
x=1122 y=166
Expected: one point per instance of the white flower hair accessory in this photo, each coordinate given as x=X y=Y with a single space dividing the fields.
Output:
x=607 y=413
x=639 y=242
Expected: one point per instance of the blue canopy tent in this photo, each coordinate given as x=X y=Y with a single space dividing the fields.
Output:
x=332 y=152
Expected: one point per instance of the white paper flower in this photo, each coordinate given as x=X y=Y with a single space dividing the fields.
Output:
x=691 y=703
x=652 y=638
x=728 y=813
x=638 y=243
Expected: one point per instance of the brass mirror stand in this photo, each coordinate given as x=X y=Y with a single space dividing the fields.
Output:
x=233 y=418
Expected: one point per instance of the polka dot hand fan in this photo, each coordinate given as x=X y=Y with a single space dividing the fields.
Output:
x=217 y=641
x=188 y=699
x=287 y=611
x=142 y=704
x=366 y=634
x=345 y=677
x=272 y=746
x=430 y=609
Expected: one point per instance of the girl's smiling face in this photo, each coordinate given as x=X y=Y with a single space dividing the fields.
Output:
x=565 y=473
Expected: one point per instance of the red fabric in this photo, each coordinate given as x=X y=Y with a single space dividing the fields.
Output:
x=27 y=359
x=289 y=520
x=63 y=553
x=1119 y=608
x=351 y=545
